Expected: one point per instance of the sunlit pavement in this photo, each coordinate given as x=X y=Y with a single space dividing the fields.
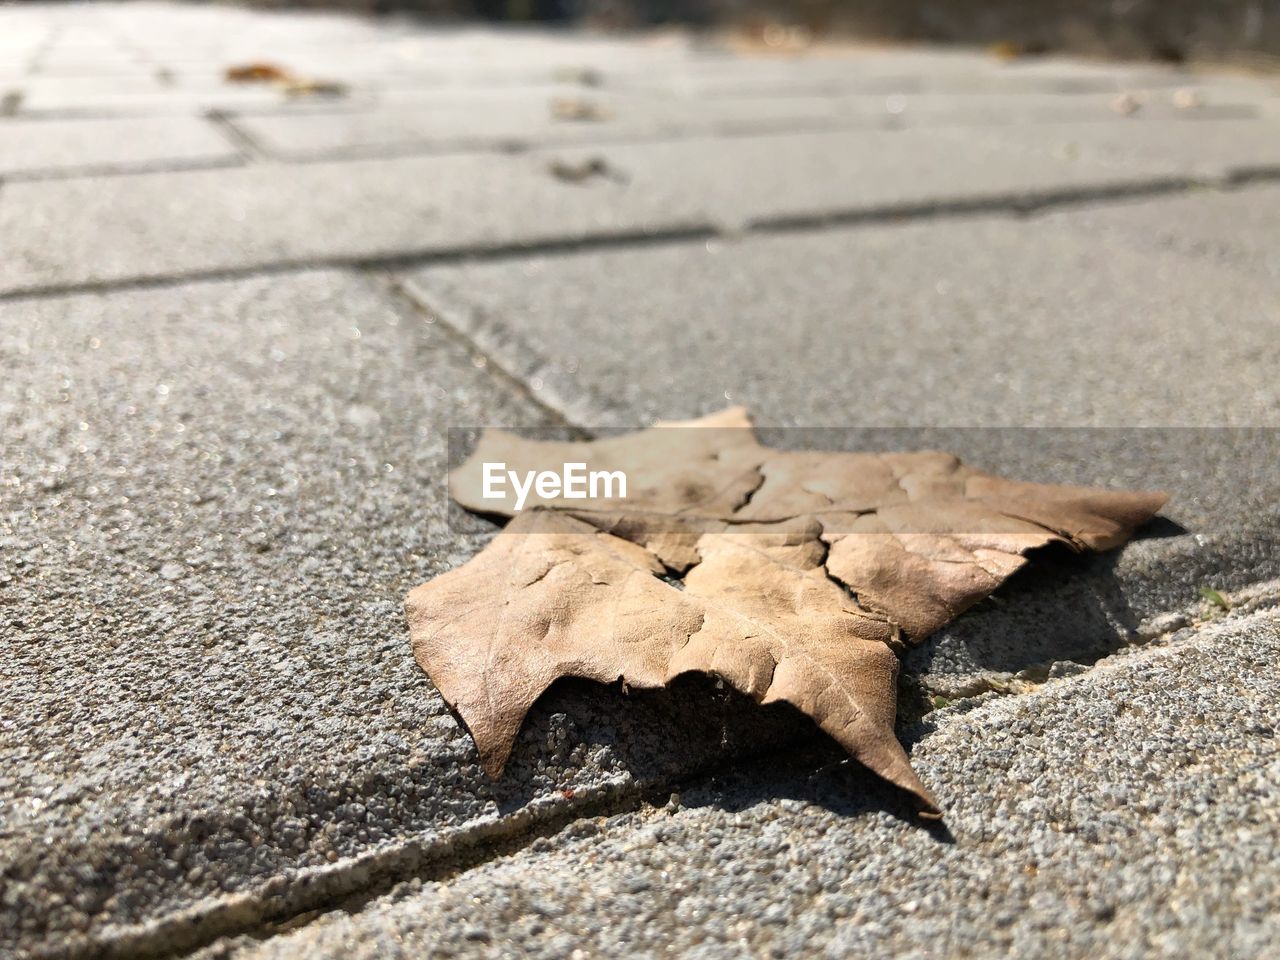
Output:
x=237 y=320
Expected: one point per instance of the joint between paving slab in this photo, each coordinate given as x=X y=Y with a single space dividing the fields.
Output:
x=248 y=148
x=1243 y=176
x=628 y=239
x=525 y=145
x=1007 y=204
x=413 y=302
x=1011 y=204
x=124 y=170
x=284 y=902
x=398 y=151
x=283 y=898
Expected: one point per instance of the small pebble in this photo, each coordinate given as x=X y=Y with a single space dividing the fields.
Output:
x=173 y=571
x=1187 y=98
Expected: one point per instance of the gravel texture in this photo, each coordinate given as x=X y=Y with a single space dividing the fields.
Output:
x=48 y=147
x=218 y=496
x=1233 y=228
x=224 y=443
x=1218 y=149
x=972 y=322
x=1129 y=812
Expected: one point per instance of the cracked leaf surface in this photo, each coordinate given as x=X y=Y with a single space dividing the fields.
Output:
x=804 y=575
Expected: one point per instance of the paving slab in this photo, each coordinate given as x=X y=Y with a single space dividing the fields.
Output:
x=781 y=179
x=893 y=71
x=977 y=321
x=479 y=59
x=504 y=119
x=216 y=492
x=745 y=77
x=998 y=109
x=1218 y=149
x=38 y=148
x=433 y=118
x=22 y=43
x=215 y=498
x=77 y=63
x=1126 y=813
x=91 y=230
x=85 y=90
x=1236 y=228
x=175 y=223
x=383 y=70
x=89 y=97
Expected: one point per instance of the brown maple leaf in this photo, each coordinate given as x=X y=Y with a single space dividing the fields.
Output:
x=802 y=576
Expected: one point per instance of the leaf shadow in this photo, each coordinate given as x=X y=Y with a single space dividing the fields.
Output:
x=714 y=745
x=1159 y=527
x=814 y=772
x=1064 y=608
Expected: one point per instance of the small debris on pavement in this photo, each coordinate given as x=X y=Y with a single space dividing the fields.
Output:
x=258 y=73
x=1187 y=98
x=289 y=83
x=173 y=571
x=584 y=170
x=1007 y=50
x=577 y=111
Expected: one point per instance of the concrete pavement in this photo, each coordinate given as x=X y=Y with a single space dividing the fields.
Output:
x=236 y=325
x=1056 y=844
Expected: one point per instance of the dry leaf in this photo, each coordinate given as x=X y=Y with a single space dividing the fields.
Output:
x=258 y=73
x=290 y=84
x=792 y=576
